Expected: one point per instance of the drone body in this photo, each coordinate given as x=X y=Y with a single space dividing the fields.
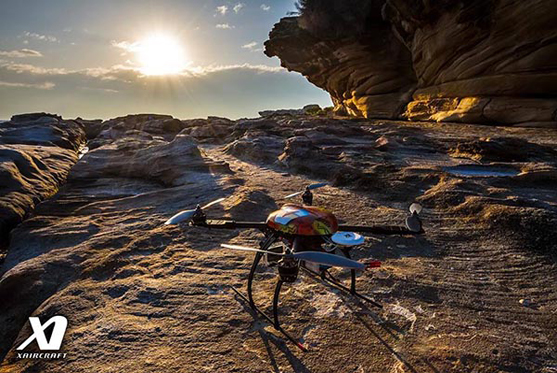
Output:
x=303 y=220
x=302 y=236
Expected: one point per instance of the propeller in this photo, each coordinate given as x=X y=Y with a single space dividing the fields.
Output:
x=309 y=187
x=415 y=207
x=186 y=215
x=309 y=256
x=413 y=222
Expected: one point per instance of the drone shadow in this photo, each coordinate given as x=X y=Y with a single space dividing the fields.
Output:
x=279 y=343
x=391 y=328
x=386 y=344
x=388 y=326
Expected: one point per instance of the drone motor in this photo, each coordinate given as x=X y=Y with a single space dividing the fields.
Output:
x=288 y=269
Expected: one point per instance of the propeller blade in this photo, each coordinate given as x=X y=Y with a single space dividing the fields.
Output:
x=213 y=203
x=310 y=187
x=415 y=208
x=293 y=195
x=318 y=185
x=328 y=259
x=245 y=248
x=180 y=217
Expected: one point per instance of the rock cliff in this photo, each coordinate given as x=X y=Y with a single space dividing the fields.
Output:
x=370 y=77
x=486 y=62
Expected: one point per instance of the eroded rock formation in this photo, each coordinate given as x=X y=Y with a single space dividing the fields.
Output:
x=471 y=61
x=369 y=77
x=36 y=154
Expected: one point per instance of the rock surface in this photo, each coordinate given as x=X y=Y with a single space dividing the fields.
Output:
x=455 y=61
x=36 y=154
x=154 y=298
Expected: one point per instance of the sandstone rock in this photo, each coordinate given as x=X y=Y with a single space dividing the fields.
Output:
x=502 y=149
x=454 y=61
x=311 y=109
x=36 y=154
x=92 y=127
x=462 y=110
x=370 y=77
x=252 y=124
x=104 y=194
x=320 y=138
x=98 y=252
x=246 y=202
x=467 y=49
x=219 y=120
x=279 y=112
x=256 y=146
x=155 y=124
x=385 y=143
x=210 y=131
x=167 y=163
x=32 y=117
x=298 y=149
x=526 y=110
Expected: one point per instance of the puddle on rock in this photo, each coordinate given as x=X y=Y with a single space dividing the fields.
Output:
x=481 y=171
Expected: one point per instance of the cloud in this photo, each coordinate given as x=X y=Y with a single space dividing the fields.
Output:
x=120 y=73
x=250 y=46
x=205 y=70
x=238 y=7
x=20 y=68
x=34 y=35
x=106 y=90
x=224 y=26
x=22 y=53
x=126 y=73
x=46 y=85
x=265 y=7
x=126 y=46
x=197 y=92
x=222 y=10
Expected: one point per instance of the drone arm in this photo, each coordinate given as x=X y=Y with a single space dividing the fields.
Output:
x=379 y=229
x=230 y=224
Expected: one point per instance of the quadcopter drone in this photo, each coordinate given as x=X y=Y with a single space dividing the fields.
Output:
x=302 y=236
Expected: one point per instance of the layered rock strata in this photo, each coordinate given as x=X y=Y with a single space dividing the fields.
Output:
x=488 y=62
x=36 y=154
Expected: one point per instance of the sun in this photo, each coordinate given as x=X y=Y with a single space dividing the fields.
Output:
x=160 y=55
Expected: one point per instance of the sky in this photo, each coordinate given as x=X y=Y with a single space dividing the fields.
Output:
x=106 y=58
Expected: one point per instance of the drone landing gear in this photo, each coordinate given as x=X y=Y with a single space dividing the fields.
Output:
x=249 y=299
x=275 y=323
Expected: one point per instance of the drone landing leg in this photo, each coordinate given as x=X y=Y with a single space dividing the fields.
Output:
x=264 y=245
x=277 y=328
x=352 y=273
x=250 y=278
x=275 y=303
